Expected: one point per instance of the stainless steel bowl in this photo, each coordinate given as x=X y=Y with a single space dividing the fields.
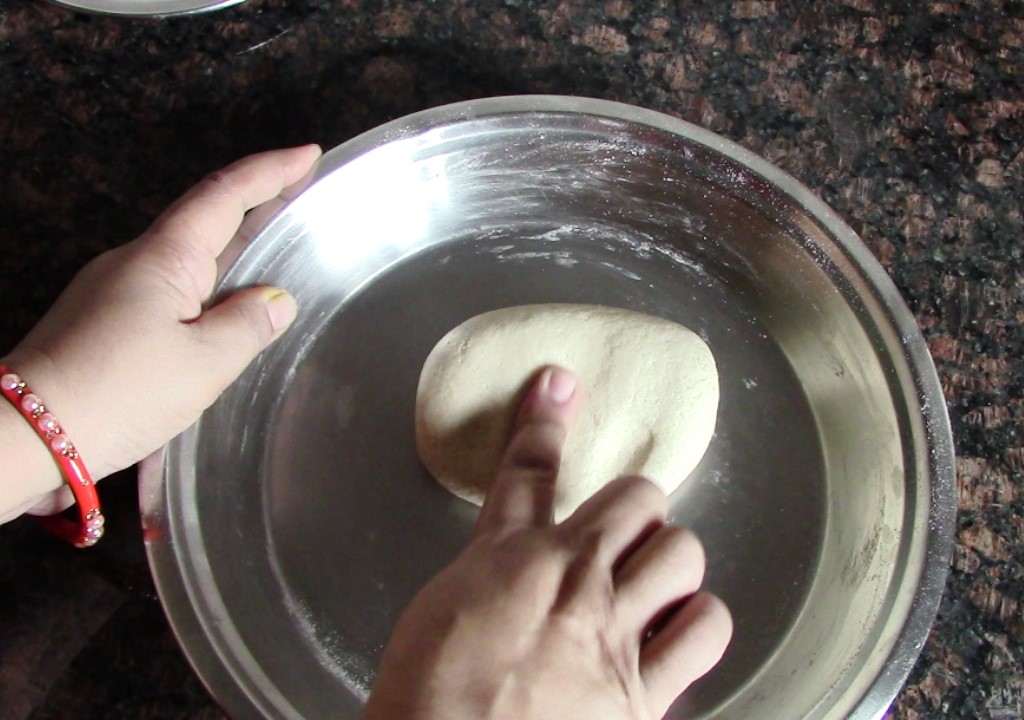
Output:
x=289 y=527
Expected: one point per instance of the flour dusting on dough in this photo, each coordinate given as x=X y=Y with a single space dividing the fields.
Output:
x=650 y=397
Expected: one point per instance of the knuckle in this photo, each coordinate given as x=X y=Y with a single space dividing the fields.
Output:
x=644 y=493
x=106 y=262
x=223 y=183
x=711 y=620
x=220 y=180
x=534 y=459
x=537 y=447
x=684 y=545
x=177 y=266
x=527 y=559
x=111 y=273
x=246 y=329
x=715 y=608
x=253 y=324
x=682 y=557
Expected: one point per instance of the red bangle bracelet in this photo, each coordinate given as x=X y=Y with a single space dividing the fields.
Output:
x=89 y=529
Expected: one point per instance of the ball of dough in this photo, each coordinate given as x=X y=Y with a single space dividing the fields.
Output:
x=649 y=403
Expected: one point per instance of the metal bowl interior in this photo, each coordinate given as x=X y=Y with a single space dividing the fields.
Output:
x=289 y=527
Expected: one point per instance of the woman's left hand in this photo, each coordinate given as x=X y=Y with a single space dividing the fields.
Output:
x=127 y=358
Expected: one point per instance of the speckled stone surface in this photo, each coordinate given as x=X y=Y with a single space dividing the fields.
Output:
x=907 y=118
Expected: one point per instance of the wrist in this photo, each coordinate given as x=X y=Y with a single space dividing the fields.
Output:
x=74 y=388
x=27 y=471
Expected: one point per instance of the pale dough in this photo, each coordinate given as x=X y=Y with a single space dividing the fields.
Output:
x=650 y=397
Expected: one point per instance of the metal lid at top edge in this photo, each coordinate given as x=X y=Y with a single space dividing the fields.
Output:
x=146 y=8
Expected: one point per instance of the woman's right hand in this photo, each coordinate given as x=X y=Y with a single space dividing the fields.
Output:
x=600 y=616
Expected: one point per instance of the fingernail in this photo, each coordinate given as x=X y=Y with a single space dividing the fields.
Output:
x=561 y=384
x=281 y=308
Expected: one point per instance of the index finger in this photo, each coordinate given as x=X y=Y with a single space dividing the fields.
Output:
x=523 y=493
x=202 y=221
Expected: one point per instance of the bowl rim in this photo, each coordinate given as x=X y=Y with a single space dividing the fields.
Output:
x=937 y=457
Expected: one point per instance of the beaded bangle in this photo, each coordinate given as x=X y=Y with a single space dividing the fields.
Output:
x=89 y=529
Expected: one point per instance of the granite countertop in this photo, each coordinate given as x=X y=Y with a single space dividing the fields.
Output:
x=907 y=118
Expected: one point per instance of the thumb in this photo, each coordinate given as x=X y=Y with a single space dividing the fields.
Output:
x=236 y=329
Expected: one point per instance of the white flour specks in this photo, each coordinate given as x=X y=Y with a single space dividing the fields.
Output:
x=621 y=271
x=649 y=248
x=636 y=243
x=351 y=668
x=560 y=257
